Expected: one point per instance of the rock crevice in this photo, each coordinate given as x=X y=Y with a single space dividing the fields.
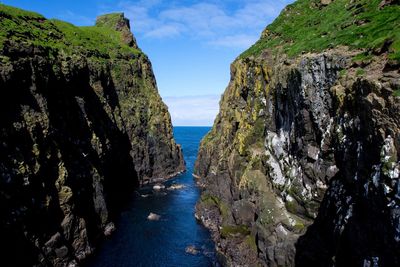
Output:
x=303 y=144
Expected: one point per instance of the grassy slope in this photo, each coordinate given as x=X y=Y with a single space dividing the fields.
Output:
x=31 y=28
x=306 y=26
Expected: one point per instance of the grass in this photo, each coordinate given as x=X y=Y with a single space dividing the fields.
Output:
x=251 y=242
x=210 y=200
x=360 y=72
x=305 y=26
x=109 y=20
x=234 y=230
x=299 y=226
x=30 y=28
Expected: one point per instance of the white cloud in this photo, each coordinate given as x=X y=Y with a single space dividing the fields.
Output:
x=199 y=110
x=235 y=41
x=217 y=23
x=164 y=31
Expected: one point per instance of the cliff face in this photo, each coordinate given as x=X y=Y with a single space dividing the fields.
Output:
x=301 y=166
x=81 y=125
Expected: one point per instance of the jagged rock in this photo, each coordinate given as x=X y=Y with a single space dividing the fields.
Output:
x=81 y=126
x=315 y=153
x=109 y=229
x=308 y=132
x=243 y=211
x=120 y=23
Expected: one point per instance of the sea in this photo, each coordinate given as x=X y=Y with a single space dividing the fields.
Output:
x=139 y=241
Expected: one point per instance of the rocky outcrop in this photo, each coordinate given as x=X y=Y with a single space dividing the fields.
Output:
x=81 y=125
x=301 y=166
x=118 y=23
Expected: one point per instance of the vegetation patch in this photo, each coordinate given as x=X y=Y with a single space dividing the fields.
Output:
x=251 y=242
x=55 y=36
x=299 y=226
x=210 y=200
x=234 y=230
x=306 y=26
x=360 y=72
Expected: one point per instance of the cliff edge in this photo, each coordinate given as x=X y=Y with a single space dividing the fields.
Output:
x=302 y=164
x=81 y=126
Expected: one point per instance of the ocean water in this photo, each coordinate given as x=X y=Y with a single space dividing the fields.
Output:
x=140 y=242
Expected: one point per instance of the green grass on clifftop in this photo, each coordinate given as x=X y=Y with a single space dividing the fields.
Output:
x=30 y=28
x=309 y=26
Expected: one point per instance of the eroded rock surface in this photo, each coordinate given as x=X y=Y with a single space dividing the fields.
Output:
x=81 y=125
x=301 y=165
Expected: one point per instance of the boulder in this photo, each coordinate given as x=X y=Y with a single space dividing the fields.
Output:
x=158 y=187
x=153 y=217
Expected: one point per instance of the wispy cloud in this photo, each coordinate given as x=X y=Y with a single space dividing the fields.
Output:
x=231 y=23
x=199 y=110
x=235 y=41
x=165 y=31
x=74 y=18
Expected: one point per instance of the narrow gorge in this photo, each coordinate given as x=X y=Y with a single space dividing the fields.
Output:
x=301 y=166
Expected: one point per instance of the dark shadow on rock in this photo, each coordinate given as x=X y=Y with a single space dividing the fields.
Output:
x=75 y=114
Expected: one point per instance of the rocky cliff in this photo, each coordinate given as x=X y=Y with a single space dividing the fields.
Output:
x=81 y=125
x=301 y=166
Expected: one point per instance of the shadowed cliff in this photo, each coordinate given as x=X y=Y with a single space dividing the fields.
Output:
x=81 y=126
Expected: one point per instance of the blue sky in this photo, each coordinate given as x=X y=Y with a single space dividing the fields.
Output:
x=190 y=43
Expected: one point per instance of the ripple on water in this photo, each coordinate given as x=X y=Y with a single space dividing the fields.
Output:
x=175 y=238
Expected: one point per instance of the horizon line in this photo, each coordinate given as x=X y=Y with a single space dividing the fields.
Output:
x=191 y=125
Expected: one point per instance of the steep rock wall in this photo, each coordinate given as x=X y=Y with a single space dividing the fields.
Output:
x=81 y=125
x=301 y=165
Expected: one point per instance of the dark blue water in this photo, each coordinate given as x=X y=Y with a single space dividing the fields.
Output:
x=140 y=242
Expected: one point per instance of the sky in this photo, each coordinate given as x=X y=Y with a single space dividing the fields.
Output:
x=191 y=44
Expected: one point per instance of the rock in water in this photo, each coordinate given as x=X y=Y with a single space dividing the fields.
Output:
x=176 y=187
x=158 y=187
x=81 y=123
x=191 y=250
x=109 y=229
x=153 y=217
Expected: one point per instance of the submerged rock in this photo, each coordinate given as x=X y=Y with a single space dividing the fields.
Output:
x=153 y=217
x=191 y=250
x=158 y=187
x=176 y=187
